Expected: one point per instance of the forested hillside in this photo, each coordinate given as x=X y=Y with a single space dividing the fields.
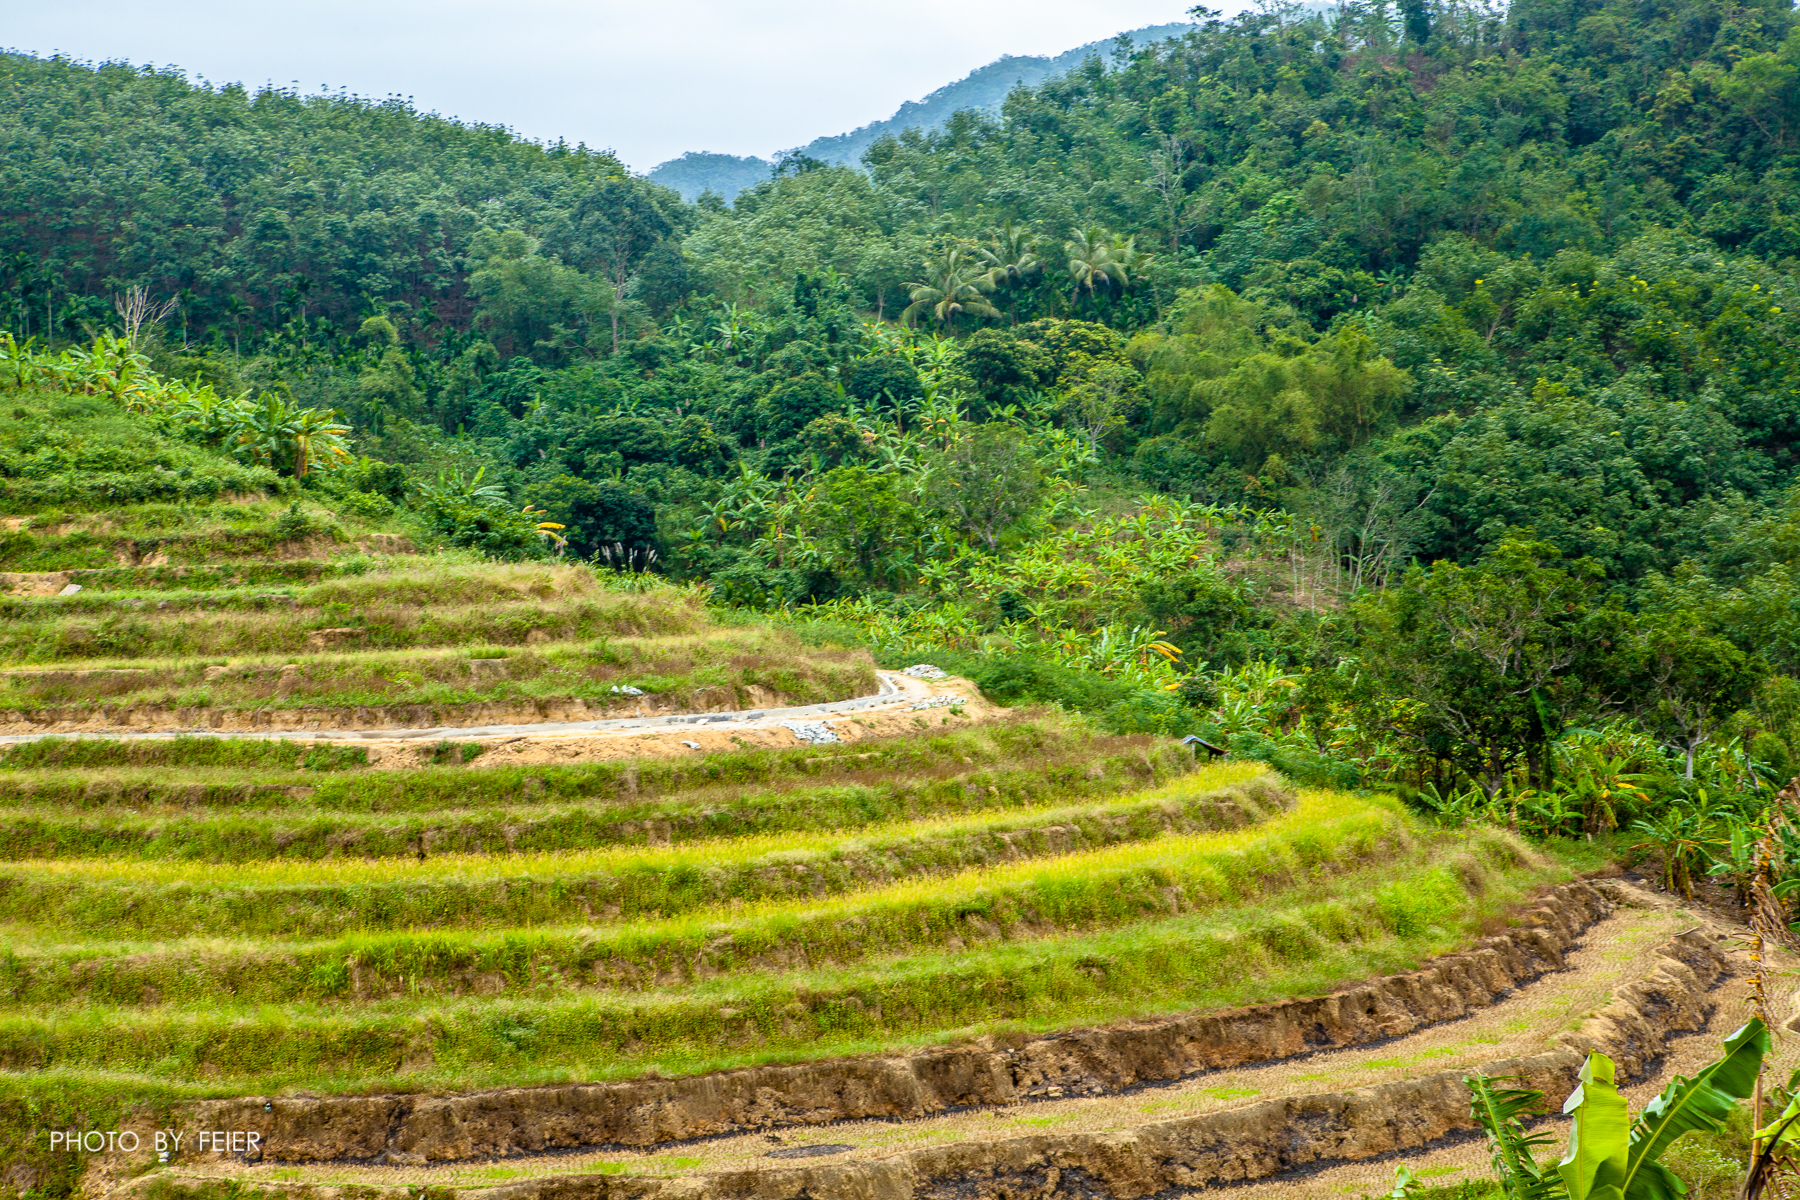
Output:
x=1157 y=393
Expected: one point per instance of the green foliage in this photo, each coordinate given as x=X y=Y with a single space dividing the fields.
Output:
x=1500 y=1112
x=466 y=512
x=1004 y=368
x=446 y=752
x=597 y=515
x=268 y=432
x=78 y=434
x=179 y=752
x=1596 y=1165
x=860 y=519
x=986 y=482
x=792 y=405
x=527 y=302
x=1477 y=661
x=1610 y=1154
x=1231 y=374
x=1354 y=295
x=1700 y=1104
x=1025 y=679
x=887 y=379
x=420 y=187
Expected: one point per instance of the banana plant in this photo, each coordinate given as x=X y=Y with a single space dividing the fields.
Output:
x=1598 y=777
x=1775 y=1148
x=1455 y=807
x=1680 y=837
x=1547 y=811
x=1697 y=1105
x=1500 y=1112
x=1610 y=1156
x=1734 y=858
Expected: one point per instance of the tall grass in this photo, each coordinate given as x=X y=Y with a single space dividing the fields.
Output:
x=277 y=628
x=282 y=820
x=687 y=670
x=706 y=786
x=161 y=899
x=1384 y=918
x=243 y=756
x=1324 y=835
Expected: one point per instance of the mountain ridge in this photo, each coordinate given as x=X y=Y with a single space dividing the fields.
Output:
x=985 y=88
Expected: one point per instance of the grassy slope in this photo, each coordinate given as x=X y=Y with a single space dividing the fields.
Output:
x=217 y=815
x=1331 y=891
x=61 y=451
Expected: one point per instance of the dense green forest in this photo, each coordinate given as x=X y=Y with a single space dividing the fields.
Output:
x=1408 y=394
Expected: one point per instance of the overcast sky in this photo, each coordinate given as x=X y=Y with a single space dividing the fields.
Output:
x=650 y=80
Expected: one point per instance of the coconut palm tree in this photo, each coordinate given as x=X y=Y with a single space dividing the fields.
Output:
x=1097 y=260
x=952 y=285
x=1012 y=257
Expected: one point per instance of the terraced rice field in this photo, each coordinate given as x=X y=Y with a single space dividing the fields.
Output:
x=577 y=960
x=251 y=926
x=404 y=643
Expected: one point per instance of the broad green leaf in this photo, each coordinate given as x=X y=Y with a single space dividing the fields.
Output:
x=1687 y=1105
x=1775 y=1144
x=1785 y=1128
x=1599 y=1138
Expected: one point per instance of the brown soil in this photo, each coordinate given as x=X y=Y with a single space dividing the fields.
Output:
x=34 y=583
x=895 y=719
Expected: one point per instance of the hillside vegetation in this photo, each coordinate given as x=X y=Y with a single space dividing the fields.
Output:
x=196 y=917
x=1401 y=398
x=1401 y=402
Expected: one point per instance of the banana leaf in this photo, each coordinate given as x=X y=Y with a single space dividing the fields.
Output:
x=1691 y=1105
x=1599 y=1137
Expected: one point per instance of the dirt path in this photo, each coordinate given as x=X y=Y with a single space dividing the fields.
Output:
x=902 y=705
x=1467 y=1158
x=1612 y=953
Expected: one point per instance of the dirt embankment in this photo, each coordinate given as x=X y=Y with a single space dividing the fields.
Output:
x=1663 y=993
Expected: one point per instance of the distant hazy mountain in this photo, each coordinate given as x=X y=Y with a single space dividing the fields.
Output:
x=698 y=170
x=984 y=88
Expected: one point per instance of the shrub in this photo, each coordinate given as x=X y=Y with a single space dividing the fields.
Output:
x=489 y=526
